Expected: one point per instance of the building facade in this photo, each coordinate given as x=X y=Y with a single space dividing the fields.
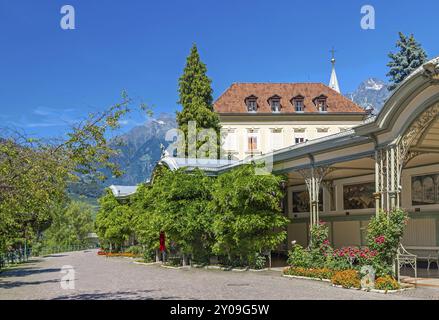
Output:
x=391 y=161
x=258 y=118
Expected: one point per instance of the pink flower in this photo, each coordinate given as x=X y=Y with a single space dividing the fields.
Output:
x=380 y=239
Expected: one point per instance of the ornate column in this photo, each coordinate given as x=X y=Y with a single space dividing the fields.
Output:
x=387 y=178
x=391 y=159
x=313 y=179
x=329 y=186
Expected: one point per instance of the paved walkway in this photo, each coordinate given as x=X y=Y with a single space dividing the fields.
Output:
x=98 y=277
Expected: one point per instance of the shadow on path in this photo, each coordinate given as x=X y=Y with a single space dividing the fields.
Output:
x=118 y=295
x=55 y=255
x=16 y=284
x=28 y=271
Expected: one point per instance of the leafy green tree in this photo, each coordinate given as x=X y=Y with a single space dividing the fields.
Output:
x=176 y=204
x=114 y=221
x=411 y=56
x=70 y=225
x=147 y=222
x=196 y=97
x=247 y=213
x=34 y=174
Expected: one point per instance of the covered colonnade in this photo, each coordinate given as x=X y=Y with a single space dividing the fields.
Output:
x=391 y=161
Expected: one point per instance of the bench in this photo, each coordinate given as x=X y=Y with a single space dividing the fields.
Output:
x=404 y=258
x=429 y=254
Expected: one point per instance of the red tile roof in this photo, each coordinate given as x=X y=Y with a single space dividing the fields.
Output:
x=233 y=99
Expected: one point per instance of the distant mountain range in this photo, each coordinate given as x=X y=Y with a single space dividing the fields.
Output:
x=140 y=149
x=371 y=94
x=138 y=152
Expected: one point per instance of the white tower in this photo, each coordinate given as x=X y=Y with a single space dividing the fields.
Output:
x=333 y=82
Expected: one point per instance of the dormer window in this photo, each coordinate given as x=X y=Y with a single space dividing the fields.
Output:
x=251 y=102
x=274 y=102
x=298 y=103
x=321 y=104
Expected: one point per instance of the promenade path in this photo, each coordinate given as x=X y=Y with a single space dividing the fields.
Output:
x=98 y=277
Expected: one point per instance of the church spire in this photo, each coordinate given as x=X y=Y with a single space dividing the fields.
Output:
x=333 y=82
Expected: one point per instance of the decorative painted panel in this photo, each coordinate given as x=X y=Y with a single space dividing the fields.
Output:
x=425 y=189
x=301 y=201
x=359 y=196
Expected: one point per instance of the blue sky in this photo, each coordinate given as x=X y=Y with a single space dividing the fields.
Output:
x=51 y=77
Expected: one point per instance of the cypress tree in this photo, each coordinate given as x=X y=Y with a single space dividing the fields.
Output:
x=196 y=99
x=411 y=55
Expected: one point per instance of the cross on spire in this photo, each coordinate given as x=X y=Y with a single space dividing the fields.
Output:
x=333 y=55
x=333 y=82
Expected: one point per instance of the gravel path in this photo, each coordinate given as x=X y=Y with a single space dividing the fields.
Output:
x=98 y=277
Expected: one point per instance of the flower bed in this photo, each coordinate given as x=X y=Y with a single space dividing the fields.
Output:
x=116 y=254
x=318 y=273
x=386 y=283
x=346 y=279
x=352 y=267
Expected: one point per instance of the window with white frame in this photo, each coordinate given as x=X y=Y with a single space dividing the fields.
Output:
x=274 y=103
x=251 y=102
x=321 y=104
x=230 y=140
x=252 y=140
x=276 y=139
x=298 y=103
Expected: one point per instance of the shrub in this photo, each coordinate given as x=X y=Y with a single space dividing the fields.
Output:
x=384 y=235
x=258 y=261
x=37 y=248
x=319 y=236
x=136 y=250
x=386 y=283
x=347 y=279
x=299 y=257
x=352 y=257
x=320 y=273
x=149 y=256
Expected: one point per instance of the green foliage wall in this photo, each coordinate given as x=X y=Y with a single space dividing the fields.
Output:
x=70 y=225
x=247 y=214
x=235 y=215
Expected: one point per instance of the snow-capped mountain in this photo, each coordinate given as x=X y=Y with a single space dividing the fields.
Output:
x=138 y=152
x=371 y=94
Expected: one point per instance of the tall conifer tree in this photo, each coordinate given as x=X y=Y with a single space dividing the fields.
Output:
x=195 y=93
x=411 y=55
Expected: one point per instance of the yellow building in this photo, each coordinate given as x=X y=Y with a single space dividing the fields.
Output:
x=257 y=118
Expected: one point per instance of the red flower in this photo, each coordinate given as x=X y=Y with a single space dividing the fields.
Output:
x=380 y=239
